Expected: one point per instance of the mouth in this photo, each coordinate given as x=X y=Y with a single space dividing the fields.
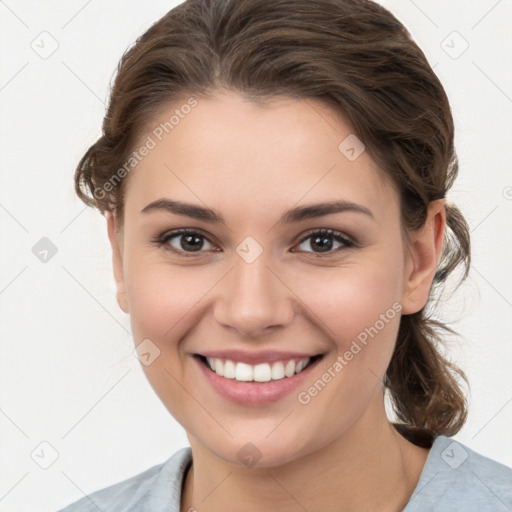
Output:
x=262 y=372
x=259 y=382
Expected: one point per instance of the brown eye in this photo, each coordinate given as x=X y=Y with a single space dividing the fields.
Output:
x=184 y=241
x=324 y=241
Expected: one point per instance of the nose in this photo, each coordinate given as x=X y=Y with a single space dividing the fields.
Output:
x=254 y=299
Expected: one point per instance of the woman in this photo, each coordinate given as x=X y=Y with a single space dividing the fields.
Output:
x=274 y=176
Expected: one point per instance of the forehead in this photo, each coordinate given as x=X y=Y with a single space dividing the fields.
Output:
x=230 y=153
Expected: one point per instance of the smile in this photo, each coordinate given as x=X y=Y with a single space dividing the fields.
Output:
x=263 y=372
x=257 y=383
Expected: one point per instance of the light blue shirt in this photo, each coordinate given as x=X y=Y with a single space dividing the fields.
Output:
x=454 y=479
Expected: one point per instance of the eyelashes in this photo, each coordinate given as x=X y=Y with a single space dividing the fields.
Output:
x=196 y=240
x=327 y=234
x=188 y=235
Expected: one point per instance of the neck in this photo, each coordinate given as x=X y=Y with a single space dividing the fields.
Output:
x=369 y=467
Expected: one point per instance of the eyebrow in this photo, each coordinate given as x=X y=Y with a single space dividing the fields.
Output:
x=297 y=214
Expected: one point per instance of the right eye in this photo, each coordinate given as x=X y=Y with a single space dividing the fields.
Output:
x=184 y=242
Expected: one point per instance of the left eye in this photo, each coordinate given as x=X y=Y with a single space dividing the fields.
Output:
x=184 y=241
x=324 y=240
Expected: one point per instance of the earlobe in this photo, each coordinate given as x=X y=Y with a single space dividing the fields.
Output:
x=117 y=261
x=422 y=259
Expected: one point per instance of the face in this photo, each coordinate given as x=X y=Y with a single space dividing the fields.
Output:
x=226 y=259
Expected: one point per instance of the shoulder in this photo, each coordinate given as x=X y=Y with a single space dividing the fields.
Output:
x=156 y=489
x=457 y=478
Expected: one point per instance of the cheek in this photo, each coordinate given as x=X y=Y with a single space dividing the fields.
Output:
x=160 y=297
x=347 y=300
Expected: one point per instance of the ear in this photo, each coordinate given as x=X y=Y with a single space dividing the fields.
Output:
x=117 y=260
x=422 y=258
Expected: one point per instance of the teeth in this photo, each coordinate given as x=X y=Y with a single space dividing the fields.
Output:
x=277 y=371
x=289 y=369
x=263 y=372
x=244 y=372
x=219 y=367
x=229 y=369
x=300 y=366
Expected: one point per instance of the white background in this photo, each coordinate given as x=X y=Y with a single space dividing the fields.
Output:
x=68 y=376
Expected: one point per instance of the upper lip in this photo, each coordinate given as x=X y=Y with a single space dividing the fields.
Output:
x=243 y=356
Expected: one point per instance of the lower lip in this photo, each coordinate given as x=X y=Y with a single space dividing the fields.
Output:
x=254 y=393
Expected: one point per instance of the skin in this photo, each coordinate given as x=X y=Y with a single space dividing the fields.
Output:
x=251 y=163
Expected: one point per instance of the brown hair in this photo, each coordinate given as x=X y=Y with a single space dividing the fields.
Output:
x=359 y=59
